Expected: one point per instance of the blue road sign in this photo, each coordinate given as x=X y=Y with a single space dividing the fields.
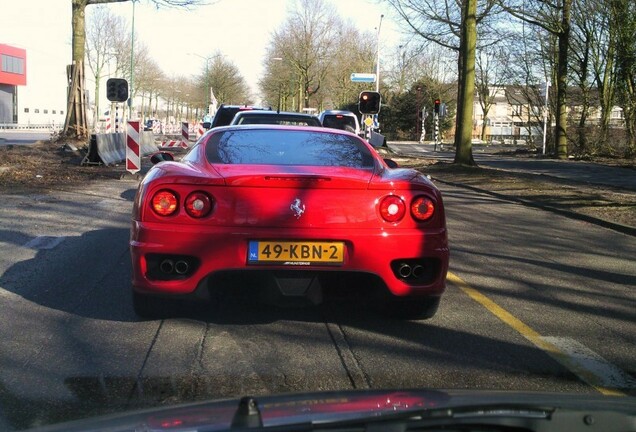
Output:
x=363 y=77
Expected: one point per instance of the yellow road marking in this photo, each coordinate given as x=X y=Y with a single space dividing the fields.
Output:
x=535 y=338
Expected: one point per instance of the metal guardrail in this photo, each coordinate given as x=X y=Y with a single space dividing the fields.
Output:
x=28 y=127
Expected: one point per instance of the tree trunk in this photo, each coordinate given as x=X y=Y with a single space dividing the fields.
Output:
x=463 y=134
x=562 y=72
x=75 y=103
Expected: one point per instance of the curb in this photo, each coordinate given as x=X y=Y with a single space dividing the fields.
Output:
x=625 y=229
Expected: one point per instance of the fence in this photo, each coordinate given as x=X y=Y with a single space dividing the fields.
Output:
x=29 y=127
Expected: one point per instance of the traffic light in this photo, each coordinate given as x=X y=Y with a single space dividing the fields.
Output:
x=369 y=102
x=437 y=104
x=117 y=90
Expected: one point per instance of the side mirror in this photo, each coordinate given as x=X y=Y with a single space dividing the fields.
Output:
x=161 y=157
x=206 y=125
x=391 y=163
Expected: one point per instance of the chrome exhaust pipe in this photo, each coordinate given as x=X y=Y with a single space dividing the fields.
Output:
x=404 y=270
x=418 y=271
x=181 y=267
x=166 y=266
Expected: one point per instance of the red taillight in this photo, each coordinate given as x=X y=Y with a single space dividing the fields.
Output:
x=198 y=204
x=164 y=203
x=392 y=208
x=422 y=208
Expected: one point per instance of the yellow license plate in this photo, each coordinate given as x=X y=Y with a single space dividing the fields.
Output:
x=295 y=252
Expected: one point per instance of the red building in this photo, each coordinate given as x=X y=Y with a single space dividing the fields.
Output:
x=13 y=73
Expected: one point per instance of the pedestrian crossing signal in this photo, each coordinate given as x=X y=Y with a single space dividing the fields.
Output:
x=437 y=105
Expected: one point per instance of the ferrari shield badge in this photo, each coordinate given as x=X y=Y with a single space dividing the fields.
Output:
x=298 y=208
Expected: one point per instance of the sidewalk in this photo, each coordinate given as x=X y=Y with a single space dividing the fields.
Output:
x=611 y=207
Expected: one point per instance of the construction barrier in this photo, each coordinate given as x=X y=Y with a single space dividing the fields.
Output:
x=110 y=149
x=200 y=130
x=133 y=149
x=173 y=144
x=183 y=143
x=377 y=140
x=185 y=132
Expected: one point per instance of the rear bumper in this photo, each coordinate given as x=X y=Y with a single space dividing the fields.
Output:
x=218 y=253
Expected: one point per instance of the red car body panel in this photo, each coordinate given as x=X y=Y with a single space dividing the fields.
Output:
x=254 y=202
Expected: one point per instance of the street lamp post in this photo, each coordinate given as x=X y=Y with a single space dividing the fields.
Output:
x=132 y=62
x=545 y=113
x=207 y=81
x=377 y=63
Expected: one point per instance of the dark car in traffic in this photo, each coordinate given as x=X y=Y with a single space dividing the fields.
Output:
x=225 y=113
x=275 y=117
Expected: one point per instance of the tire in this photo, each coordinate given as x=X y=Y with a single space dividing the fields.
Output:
x=412 y=308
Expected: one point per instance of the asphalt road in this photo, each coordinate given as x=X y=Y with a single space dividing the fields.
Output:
x=533 y=303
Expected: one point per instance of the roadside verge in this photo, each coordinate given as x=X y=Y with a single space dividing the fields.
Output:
x=601 y=205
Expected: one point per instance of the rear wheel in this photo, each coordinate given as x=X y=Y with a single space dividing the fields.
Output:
x=412 y=308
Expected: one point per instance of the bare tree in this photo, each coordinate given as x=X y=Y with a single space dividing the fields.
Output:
x=466 y=87
x=623 y=14
x=582 y=40
x=225 y=79
x=76 y=111
x=490 y=72
x=554 y=17
x=306 y=42
x=147 y=76
x=347 y=58
x=450 y=25
x=410 y=64
x=102 y=31
x=535 y=53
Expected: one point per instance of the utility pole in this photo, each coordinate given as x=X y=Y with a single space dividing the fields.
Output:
x=377 y=63
x=132 y=62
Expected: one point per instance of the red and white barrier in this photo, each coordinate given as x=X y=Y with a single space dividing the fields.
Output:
x=200 y=130
x=185 y=133
x=173 y=144
x=133 y=157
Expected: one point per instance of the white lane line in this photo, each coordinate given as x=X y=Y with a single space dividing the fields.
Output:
x=44 y=242
x=591 y=366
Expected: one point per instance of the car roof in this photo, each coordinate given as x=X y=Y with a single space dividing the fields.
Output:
x=283 y=127
x=275 y=113
x=337 y=112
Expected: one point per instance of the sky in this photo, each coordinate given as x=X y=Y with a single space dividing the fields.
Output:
x=176 y=39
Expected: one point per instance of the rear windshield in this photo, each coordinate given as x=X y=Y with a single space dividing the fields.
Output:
x=339 y=122
x=278 y=119
x=287 y=147
x=224 y=116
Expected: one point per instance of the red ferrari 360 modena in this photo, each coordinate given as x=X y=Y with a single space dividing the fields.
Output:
x=289 y=210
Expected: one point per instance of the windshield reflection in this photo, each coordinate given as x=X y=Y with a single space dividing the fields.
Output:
x=288 y=147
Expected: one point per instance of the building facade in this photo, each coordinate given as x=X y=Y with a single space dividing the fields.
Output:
x=33 y=91
x=13 y=73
